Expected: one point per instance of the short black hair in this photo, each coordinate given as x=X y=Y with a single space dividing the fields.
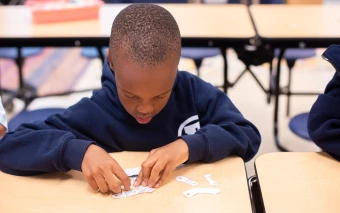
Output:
x=147 y=33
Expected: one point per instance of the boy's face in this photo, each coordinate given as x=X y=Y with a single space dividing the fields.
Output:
x=142 y=90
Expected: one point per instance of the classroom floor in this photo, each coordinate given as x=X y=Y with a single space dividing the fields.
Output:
x=308 y=75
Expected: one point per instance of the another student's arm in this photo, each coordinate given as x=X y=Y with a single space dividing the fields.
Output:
x=64 y=142
x=324 y=119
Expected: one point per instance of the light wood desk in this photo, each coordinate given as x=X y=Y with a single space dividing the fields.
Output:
x=299 y=182
x=200 y=25
x=69 y=192
x=289 y=25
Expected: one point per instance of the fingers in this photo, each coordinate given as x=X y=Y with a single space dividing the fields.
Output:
x=112 y=183
x=103 y=187
x=100 y=169
x=92 y=183
x=138 y=180
x=121 y=175
x=146 y=169
x=166 y=172
x=155 y=172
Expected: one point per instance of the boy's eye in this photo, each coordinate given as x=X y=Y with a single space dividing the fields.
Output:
x=159 y=97
x=131 y=96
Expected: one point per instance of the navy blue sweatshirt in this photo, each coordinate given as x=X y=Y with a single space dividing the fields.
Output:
x=324 y=117
x=199 y=113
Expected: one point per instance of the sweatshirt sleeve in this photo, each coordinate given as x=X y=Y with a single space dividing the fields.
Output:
x=324 y=119
x=57 y=144
x=224 y=131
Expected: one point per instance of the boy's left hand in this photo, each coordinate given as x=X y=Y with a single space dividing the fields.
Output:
x=160 y=163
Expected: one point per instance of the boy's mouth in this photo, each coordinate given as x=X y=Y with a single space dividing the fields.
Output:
x=143 y=120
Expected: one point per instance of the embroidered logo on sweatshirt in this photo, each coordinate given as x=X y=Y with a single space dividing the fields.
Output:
x=189 y=126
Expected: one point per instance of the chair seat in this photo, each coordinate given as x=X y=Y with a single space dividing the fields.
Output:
x=298 y=125
x=91 y=52
x=199 y=53
x=32 y=116
x=296 y=53
x=12 y=52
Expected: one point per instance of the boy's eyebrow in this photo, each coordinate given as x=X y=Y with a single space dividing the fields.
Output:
x=137 y=95
x=164 y=93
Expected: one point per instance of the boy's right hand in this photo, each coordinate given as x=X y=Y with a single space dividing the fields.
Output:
x=101 y=170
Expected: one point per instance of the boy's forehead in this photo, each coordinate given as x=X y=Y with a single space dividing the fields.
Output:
x=141 y=80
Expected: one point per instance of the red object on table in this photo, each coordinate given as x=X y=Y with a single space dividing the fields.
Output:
x=52 y=11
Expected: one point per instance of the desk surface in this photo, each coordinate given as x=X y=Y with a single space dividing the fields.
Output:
x=195 y=21
x=69 y=192
x=297 y=21
x=299 y=182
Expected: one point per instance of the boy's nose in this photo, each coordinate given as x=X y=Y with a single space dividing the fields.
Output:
x=145 y=108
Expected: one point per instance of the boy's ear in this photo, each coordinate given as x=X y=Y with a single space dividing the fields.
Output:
x=108 y=57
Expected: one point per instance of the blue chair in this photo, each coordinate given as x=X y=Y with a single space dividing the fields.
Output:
x=32 y=116
x=93 y=52
x=298 y=125
x=198 y=54
x=13 y=54
x=291 y=55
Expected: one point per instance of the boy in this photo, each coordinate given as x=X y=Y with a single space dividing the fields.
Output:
x=144 y=104
x=324 y=117
x=3 y=120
